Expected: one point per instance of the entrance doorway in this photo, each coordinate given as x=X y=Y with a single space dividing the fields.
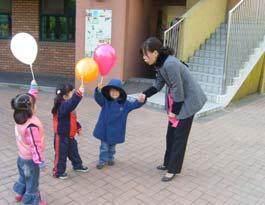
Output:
x=146 y=18
x=165 y=14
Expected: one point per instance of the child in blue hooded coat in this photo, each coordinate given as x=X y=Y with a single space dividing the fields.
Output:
x=111 y=125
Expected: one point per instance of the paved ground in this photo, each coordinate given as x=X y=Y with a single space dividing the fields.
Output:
x=43 y=79
x=50 y=81
x=225 y=159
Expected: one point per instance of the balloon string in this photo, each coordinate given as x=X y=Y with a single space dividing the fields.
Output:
x=32 y=73
x=82 y=81
x=101 y=82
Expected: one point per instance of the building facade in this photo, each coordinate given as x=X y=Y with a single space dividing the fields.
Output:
x=60 y=28
x=52 y=25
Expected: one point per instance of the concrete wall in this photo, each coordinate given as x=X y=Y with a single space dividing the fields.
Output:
x=119 y=9
x=53 y=57
x=200 y=21
x=232 y=3
x=137 y=29
x=171 y=12
x=255 y=81
x=191 y=3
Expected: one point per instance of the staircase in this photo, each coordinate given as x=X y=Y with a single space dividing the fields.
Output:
x=224 y=61
x=207 y=64
x=207 y=67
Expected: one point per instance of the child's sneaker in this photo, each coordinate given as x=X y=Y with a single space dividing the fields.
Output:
x=100 y=165
x=111 y=162
x=43 y=202
x=18 y=197
x=63 y=176
x=82 y=169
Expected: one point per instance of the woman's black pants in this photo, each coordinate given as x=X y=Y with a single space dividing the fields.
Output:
x=177 y=138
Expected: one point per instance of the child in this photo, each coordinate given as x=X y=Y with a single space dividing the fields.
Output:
x=65 y=127
x=30 y=143
x=111 y=125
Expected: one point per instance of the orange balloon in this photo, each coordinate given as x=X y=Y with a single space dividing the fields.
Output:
x=87 y=69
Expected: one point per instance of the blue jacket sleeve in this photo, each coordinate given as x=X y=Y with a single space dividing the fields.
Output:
x=99 y=98
x=70 y=105
x=133 y=105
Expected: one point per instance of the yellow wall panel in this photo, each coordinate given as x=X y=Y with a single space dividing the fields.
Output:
x=255 y=81
x=200 y=21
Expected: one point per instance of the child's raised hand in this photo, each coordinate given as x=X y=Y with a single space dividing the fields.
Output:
x=33 y=82
x=100 y=86
x=141 y=98
x=82 y=89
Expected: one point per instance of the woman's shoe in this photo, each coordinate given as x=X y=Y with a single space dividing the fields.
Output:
x=168 y=177
x=161 y=167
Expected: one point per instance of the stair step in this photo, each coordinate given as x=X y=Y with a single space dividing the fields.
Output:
x=213 y=47
x=208 y=108
x=223 y=25
x=221 y=30
x=211 y=88
x=211 y=97
x=210 y=54
x=217 y=37
x=212 y=70
x=212 y=41
x=140 y=80
x=207 y=78
x=158 y=102
x=207 y=61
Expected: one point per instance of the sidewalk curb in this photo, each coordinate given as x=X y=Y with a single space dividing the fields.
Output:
x=45 y=89
x=24 y=86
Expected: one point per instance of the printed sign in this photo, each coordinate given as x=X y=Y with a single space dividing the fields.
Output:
x=98 y=29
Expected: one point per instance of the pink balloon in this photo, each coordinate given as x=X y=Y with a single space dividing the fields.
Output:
x=105 y=56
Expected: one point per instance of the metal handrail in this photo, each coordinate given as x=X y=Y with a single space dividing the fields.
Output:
x=171 y=36
x=245 y=30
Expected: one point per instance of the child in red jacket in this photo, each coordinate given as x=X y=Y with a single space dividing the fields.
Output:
x=65 y=128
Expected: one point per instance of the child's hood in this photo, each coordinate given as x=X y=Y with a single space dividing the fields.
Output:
x=116 y=84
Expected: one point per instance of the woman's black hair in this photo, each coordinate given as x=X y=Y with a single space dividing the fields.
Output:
x=22 y=105
x=61 y=90
x=154 y=44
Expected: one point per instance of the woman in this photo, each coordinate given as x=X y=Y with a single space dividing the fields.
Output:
x=184 y=98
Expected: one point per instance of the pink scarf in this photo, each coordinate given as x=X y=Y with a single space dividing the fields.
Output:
x=174 y=121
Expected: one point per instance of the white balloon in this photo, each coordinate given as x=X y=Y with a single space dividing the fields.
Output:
x=24 y=47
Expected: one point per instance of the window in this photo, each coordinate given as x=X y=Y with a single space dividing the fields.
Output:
x=57 y=20
x=5 y=18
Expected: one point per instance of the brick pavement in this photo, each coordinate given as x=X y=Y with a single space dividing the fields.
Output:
x=225 y=159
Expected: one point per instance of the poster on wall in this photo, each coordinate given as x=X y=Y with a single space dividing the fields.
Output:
x=98 y=29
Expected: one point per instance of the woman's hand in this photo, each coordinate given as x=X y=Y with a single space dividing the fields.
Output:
x=171 y=115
